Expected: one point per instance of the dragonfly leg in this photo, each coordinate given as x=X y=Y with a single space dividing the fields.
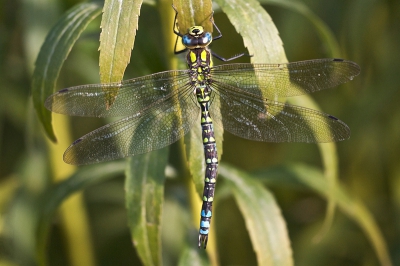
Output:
x=175 y=26
x=178 y=34
x=231 y=58
x=220 y=36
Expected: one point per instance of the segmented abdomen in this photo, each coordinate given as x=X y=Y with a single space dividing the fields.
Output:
x=211 y=159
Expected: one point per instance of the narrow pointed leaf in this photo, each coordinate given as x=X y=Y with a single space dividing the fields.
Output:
x=263 y=218
x=144 y=186
x=119 y=25
x=194 y=257
x=313 y=179
x=53 y=53
x=55 y=195
x=259 y=33
x=262 y=39
x=193 y=13
x=330 y=164
x=195 y=157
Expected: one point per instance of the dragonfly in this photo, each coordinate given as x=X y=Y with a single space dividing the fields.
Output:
x=159 y=109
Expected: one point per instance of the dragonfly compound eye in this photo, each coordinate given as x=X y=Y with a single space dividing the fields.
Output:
x=196 y=38
x=206 y=39
x=189 y=41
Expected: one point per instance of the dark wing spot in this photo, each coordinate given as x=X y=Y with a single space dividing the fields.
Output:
x=332 y=117
x=338 y=60
x=77 y=141
x=63 y=90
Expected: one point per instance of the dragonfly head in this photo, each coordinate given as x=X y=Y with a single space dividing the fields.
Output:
x=196 y=38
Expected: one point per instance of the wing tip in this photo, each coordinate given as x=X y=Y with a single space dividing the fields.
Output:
x=344 y=130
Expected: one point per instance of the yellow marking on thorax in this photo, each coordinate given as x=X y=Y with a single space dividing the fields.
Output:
x=203 y=55
x=193 y=57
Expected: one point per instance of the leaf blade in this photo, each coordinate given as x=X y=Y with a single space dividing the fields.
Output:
x=312 y=178
x=259 y=33
x=53 y=53
x=193 y=13
x=144 y=192
x=55 y=195
x=193 y=256
x=263 y=218
x=119 y=25
x=266 y=46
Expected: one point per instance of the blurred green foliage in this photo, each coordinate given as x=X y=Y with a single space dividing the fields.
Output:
x=367 y=32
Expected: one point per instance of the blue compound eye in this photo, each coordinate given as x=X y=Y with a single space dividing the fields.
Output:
x=186 y=40
x=207 y=38
x=190 y=41
x=196 y=38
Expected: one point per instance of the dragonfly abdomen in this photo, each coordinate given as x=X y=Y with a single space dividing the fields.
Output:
x=211 y=160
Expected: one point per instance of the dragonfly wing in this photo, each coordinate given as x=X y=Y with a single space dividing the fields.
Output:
x=289 y=79
x=152 y=129
x=255 y=118
x=131 y=95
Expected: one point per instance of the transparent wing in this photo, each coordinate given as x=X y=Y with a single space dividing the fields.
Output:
x=151 y=129
x=284 y=80
x=254 y=118
x=131 y=95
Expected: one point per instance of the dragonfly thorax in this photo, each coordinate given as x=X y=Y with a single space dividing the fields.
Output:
x=196 y=38
x=199 y=62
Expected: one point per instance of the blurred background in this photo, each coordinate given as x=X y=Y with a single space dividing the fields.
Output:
x=369 y=162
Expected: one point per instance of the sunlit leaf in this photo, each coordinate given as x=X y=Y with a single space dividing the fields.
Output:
x=313 y=179
x=119 y=25
x=330 y=164
x=263 y=218
x=263 y=41
x=259 y=33
x=53 y=53
x=193 y=13
x=195 y=157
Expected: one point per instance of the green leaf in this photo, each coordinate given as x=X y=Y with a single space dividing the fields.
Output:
x=193 y=13
x=55 y=195
x=194 y=257
x=259 y=33
x=328 y=150
x=53 y=53
x=262 y=39
x=312 y=178
x=195 y=157
x=330 y=163
x=323 y=30
x=144 y=186
x=119 y=25
x=263 y=218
